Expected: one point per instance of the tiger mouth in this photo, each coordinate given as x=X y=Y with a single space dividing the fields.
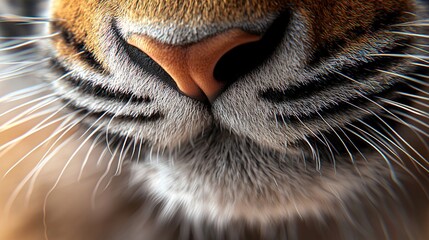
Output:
x=294 y=93
x=336 y=117
x=293 y=106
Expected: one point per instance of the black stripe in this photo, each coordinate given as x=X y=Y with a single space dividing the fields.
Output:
x=359 y=72
x=121 y=117
x=342 y=107
x=103 y=92
x=97 y=90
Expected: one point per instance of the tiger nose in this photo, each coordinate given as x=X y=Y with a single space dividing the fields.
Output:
x=192 y=66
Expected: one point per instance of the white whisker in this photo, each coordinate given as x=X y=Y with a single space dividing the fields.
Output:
x=41 y=125
x=376 y=148
x=97 y=186
x=64 y=128
x=139 y=150
x=22 y=69
x=42 y=104
x=40 y=164
x=31 y=37
x=118 y=168
x=399 y=55
x=410 y=34
x=404 y=77
x=17 y=46
x=37 y=146
x=86 y=159
x=397 y=134
x=121 y=156
x=425 y=133
x=406 y=107
x=26 y=119
x=24 y=93
x=331 y=152
x=16 y=18
x=414 y=96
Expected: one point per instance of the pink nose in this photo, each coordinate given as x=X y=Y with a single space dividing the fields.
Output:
x=191 y=66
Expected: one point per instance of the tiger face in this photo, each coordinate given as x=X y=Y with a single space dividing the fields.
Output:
x=250 y=114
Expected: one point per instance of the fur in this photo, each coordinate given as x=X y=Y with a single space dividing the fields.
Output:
x=325 y=137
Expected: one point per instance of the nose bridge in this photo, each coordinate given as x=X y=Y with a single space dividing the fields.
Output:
x=186 y=21
x=191 y=66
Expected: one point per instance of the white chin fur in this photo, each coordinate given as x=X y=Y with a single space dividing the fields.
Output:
x=219 y=195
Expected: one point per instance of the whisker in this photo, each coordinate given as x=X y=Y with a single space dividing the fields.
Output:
x=331 y=152
x=44 y=102
x=25 y=67
x=32 y=109
x=31 y=37
x=399 y=55
x=20 y=62
x=97 y=186
x=17 y=46
x=406 y=107
x=17 y=18
x=86 y=159
x=425 y=133
x=9 y=77
x=339 y=137
x=95 y=122
x=100 y=159
x=351 y=79
x=383 y=154
x=121 y=156
x=421 y=45
x=38 y=146
x=390 y=141
x=139 y=150
x=424 y=24
x=401 y=146
x=118 y=169
x=424 y=104
x=56 y=184
x=89 y=137
x=387 y=155
x=394 y=132
x=305 y=126
x=110 y=122
x=36 y=115
x=41 y=125
x=413 y=96
x=65 y=127
x=410 y=34
x=404 y=77
x=353 y=144
x=24 y=93
x=416 y=47
x=40 y=164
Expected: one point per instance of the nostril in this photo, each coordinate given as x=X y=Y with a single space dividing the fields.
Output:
x=147 y=64
x=243 y=59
